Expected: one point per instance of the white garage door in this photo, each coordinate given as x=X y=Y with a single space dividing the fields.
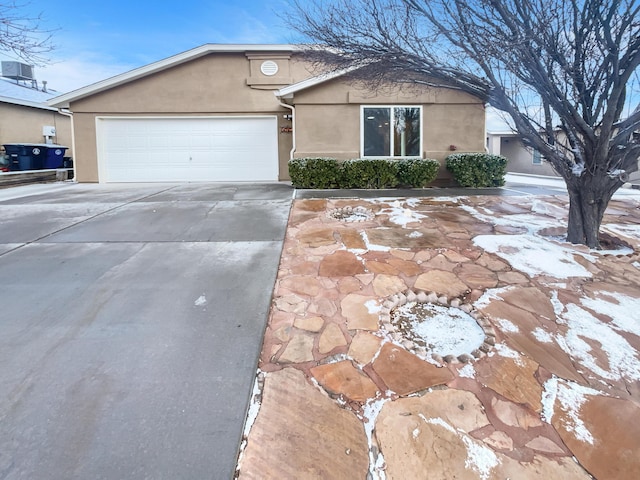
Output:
x=219 y=149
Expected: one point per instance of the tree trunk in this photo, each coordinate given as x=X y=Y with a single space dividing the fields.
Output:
x=588 y=199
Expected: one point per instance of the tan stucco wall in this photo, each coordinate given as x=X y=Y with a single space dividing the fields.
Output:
x=520 y=158
x=328 y=120
x=20 y=124
x=213 y=85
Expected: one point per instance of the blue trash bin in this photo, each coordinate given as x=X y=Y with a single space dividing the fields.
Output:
x=55 y=156
x=26 y=156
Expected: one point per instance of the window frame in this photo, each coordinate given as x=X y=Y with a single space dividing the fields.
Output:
x=391 y=107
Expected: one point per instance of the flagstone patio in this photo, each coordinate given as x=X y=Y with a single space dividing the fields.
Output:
x=554 y=390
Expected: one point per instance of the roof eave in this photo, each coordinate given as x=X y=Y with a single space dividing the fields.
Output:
x=27 y=103
x=289 y=91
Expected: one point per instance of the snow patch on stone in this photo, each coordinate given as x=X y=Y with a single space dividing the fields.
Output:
x=438 y=421
x=490 y=295
x=468 y=371
x=254 y=403
x=529 y=222
x=534 y=255
x=372 y=246
x=370 y=412
x=373 y=306
x=623 y=230
x=480 y=458
x=623 y=314
x=558 y=306
x=504 y=351
x=571 y=397
x=622 y=357
x=401 y=214
x=546 y=208
x=439 y=329
x=542 y=335
x=507 y=326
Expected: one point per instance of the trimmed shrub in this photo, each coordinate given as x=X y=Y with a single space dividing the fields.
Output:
x=477 y=169
x=315 y=172
x=361 y=173
x=369 y=173
x=417 y=172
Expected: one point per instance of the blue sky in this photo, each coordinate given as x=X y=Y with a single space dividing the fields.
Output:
x=98 y=40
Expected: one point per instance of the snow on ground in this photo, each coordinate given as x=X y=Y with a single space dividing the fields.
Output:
x=401 y=214
x=532 y=223
x=507 y=326
x=557 y=183
x=468 y=371
x=480 y=458
x=622 y=358
x=372 y=246
x=441 y=330
x=594 y=343
x=504 y=351
x=571 y=397
x=542 y=335
x=623 y=230
x=370 y=412
x=622 y=310
x=534 y=255
x=491 y=294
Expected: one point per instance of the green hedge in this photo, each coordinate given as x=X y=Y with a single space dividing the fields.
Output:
x=417 y=173
x=371 y=173
x=362 y=173
x=315 y=172
x=477 y=169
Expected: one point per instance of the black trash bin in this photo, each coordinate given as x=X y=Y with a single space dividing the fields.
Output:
x=26 y=156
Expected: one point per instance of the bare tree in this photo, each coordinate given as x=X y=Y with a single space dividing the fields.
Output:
x=564 y=70
x=22 y=35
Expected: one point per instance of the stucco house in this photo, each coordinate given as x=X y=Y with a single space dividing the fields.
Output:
x=240 y=112
x=521 y=159
x=25 y=116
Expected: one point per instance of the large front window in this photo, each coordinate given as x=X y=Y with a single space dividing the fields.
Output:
x=391 y=131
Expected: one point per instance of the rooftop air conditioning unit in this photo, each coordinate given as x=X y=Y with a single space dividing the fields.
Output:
x=17 y=71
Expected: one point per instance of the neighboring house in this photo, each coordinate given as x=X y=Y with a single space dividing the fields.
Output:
x=240 y=112
x=521 y=159
x=25 y=116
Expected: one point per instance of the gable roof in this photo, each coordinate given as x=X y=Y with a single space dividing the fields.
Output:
x=287 y=92
x=64 y=100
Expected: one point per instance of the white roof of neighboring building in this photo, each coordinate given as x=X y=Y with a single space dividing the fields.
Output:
x=24 y=94
x=26 y=103
x=24 y=91
x=64 y=100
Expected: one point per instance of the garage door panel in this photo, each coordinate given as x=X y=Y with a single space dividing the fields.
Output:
x=188 y=149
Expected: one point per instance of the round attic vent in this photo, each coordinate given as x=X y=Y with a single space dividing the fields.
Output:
x=269 y=68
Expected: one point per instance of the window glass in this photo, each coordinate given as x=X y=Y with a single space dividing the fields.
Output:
x=406 y=132
x=537 y=158
x=391 y=131
x=377 y=132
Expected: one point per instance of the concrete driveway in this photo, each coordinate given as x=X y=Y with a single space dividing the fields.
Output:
x=131 y=318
